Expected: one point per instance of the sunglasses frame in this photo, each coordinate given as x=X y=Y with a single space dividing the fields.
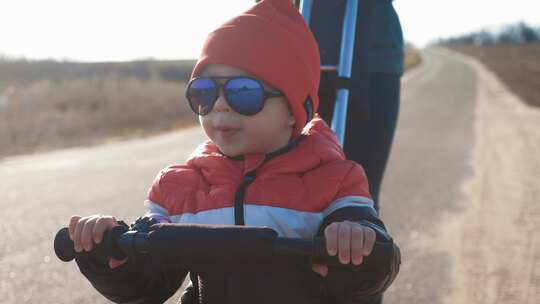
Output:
x=221 y=87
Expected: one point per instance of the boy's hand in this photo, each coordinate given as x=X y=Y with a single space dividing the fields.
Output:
x=85 y=231
x=351 y=241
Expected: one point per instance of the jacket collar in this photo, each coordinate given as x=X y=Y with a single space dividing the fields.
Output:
x=316 y=145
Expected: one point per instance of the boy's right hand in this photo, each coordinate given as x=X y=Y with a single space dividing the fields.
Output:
x=85 y=231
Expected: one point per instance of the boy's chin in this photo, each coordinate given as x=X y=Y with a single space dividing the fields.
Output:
x=231 y=151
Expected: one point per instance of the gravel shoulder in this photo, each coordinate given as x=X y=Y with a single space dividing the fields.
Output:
x=494 y=243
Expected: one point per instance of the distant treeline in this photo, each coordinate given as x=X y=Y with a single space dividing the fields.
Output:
x=511 y=34
x=23 y=71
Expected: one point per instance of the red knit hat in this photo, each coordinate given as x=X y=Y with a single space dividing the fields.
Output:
x=272 y=42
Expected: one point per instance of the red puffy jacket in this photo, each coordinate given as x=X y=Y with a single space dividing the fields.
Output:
x=291 y=190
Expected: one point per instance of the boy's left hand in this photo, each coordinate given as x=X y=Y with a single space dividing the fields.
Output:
x=352 y=241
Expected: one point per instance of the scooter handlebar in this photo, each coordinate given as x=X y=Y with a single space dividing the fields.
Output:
x=196 y=244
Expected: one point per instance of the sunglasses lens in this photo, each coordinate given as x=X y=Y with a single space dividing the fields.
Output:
x=246 y=96
x=202 y=93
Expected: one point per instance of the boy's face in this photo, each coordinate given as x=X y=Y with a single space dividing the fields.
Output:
x=236 y=134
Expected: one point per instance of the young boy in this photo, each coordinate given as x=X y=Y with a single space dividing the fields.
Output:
x=269 y=161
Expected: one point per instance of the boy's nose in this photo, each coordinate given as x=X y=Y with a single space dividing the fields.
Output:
x=221 y=104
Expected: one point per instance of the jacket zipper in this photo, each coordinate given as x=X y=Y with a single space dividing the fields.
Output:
x=239 y=220
x=239 y=198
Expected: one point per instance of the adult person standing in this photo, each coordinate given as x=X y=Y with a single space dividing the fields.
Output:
x=378 y=65
x=374 y=86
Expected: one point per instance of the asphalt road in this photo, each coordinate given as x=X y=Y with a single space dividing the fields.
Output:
x=429 y=163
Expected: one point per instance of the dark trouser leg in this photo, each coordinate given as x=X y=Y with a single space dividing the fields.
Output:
x=368 y=140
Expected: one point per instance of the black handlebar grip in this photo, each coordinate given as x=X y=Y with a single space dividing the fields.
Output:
x=380 y=256
x=63 y=245
x=315 y=249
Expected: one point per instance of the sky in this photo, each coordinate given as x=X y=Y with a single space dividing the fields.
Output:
x=120 y=30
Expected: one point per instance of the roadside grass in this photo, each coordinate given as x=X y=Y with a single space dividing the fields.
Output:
x=412 y=58
x=47 y=115
x=517 y=65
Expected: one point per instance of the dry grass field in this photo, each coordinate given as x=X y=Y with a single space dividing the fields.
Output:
x=50 y=105
x=517 y=65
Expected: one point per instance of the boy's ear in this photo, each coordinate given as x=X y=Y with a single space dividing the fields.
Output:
x=292 y=120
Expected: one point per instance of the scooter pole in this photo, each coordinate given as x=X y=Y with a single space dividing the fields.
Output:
x=344 y=67
x=339 y=118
